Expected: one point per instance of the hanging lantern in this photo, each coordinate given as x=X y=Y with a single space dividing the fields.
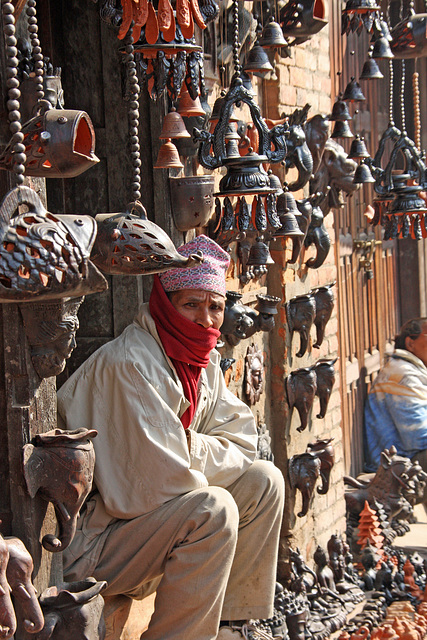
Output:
x=301 y=19
x=409 y=37
x=358 y=14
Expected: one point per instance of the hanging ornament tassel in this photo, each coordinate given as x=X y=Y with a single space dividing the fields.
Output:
x=127 y=6
x=260 y=215
x=416 y=227
x=405 y=226
x=244 y=217
x=177 y=75
x=228 y=215
x=272 y=215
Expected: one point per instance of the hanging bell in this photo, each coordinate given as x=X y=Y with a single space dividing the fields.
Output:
x=353 y=92
x=173 y=126
x=247 y=83
x=340 y=111
x=361 y=6
x=272 y=36
x=287 y=211
x=341 y=130
x=382 y=49
x=259 y=254
x=256 y=60
x=232 y=139
x=363 y=174
x=358 y=149
x=188 y=107
x=275 y=182
x=371 y=70
x=168 y=157
x=216 y=111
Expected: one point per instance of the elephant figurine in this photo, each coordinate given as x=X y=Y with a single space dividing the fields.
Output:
x=298 y=153
x=300 y=390
x=304 y=469
x=59 y=465
x=325 y=375
x=301 y=312
x=317 y=134
x=306 y=209
x=19 y=570
x=324 y=449
x=237 y=319
x=73 y=610
x=317 y=235
x=7 y=613
x=324 y=297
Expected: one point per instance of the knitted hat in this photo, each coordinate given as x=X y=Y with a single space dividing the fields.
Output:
x=209 y=275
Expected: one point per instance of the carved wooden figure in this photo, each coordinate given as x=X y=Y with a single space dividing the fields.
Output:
x=19 y=570
x=304 y=469
x=324 y=449
x=7 y=613
x=325 y=376
x=254 y=374
x=60 y=466
x=301 y=312
x=324 y=297
x=301 y=388
x=73 y=610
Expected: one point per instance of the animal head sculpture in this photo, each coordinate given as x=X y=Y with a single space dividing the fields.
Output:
x=317 y=233
x=237 y=319
x=254 y=373
x=73 y=610
x=317 y=133
x=7 y=613
x=304 y=469
x=325 y=374
x=298 y=153
x=301 y=388
x=324 y=297
x=59 y=466
x=51 y=328
x=306 y=209
x=324 y=449
x=19 y=570
x=301 y=312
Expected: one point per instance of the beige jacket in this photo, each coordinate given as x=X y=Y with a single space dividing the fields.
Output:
x=129 y=391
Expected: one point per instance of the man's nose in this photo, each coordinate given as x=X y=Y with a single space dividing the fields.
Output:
x=204 y=318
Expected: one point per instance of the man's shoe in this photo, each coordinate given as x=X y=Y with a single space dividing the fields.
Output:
x=247 y=631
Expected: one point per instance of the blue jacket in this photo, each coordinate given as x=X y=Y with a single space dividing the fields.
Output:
x=396 y=408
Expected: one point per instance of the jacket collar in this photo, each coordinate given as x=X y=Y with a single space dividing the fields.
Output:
x=402 y=354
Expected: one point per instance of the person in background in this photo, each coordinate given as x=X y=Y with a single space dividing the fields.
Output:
x=179 y=504
x=396 y=407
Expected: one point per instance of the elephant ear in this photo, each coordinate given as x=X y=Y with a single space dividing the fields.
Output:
x=33 y=468
x=293 y=474
x=290 y=390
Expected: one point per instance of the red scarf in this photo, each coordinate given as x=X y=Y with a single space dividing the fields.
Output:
x=186 y=343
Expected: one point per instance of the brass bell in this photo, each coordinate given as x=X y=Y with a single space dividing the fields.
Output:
x=168 y=157
x=275 y=182
x=353 y=92
x=259 y=254
x=173 y=126
x=188 y=107
x=247 y=83
x=287 y=211
x=272 y=36
x=371 y=70
x=382 y=49
x=358 y=149
x=341 y=130
x=340 y=111
x=256 y=60
x=363 y=174
x=232 y=139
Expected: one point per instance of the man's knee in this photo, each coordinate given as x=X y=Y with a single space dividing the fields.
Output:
x=219 y=509
x=265 y=479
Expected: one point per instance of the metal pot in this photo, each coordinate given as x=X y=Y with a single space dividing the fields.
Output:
x=192 y=201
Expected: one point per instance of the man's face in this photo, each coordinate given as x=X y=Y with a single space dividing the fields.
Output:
x=418 y=345
x=202 y=307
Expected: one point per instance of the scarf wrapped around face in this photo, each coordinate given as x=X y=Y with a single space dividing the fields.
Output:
x=186 y=343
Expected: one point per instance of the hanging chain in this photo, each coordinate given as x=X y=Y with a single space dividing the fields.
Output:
x=236 y=43
x=12 y=83
x=417 y=110
x=33 y=30
x=391 y=83
x=402 y=97
x=133 y=114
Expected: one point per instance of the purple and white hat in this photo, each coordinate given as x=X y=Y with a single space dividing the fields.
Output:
x=209 y=275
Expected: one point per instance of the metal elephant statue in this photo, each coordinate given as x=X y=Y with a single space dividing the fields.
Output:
x=301 y=388
x=304 y=469
x=301 y=312
x=73 y=610
x=19 y=570
x=324 y=297
x=317 y=235
x=325 y=375
x=7 y=613
x=324 y=450
x=298 y=153
x=59 y=466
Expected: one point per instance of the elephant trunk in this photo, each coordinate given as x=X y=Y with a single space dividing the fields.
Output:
x=51 y=621
x=320 y=238
x=325 y=477
x=296 y=248
x=323 y=406
x=67 y=529
x=304 y=163
x=303 y=342
x=305 y=501
x=320 y=334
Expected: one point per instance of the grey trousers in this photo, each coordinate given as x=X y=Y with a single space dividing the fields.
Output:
x=210 y=554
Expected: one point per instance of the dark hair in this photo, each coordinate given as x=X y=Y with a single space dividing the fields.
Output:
x=411 y=329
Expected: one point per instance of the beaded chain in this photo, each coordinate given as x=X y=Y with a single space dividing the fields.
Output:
x=133 y=114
